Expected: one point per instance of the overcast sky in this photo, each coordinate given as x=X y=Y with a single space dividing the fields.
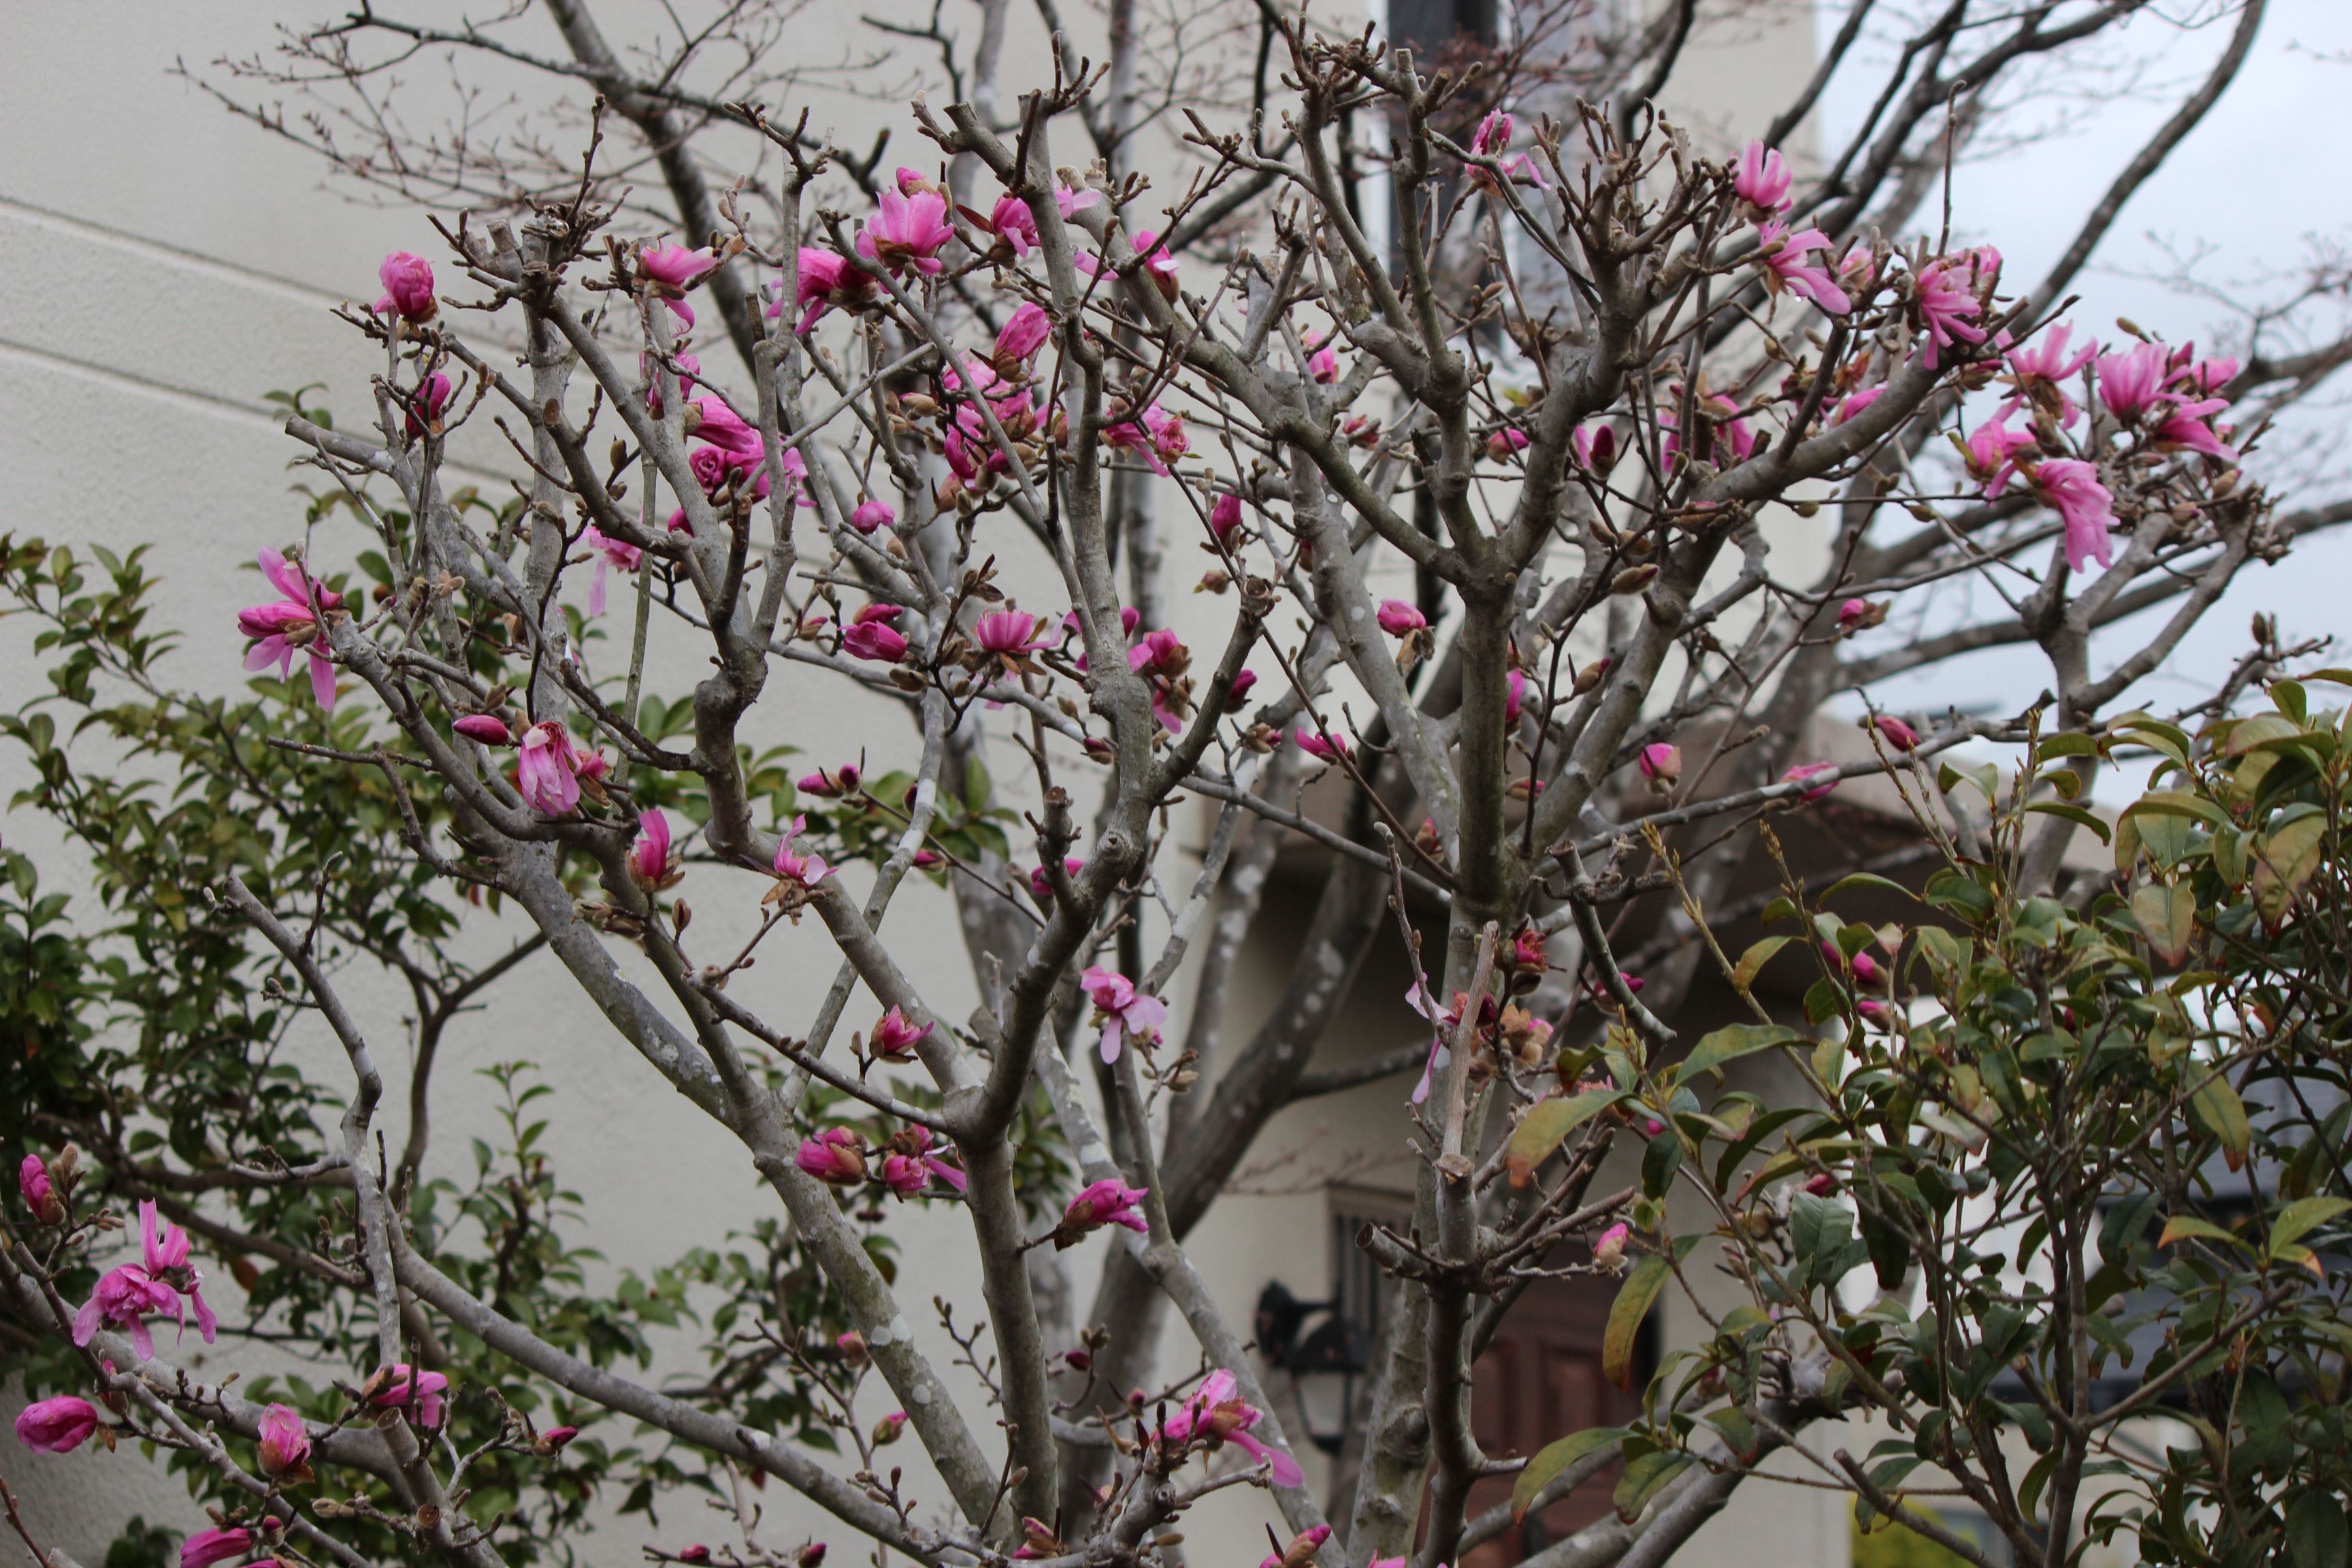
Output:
x=2263 y=176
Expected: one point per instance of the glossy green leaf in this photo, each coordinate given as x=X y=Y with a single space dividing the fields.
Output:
x=1553 y=1459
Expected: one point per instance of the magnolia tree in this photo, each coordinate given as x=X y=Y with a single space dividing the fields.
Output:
x=1572 y=378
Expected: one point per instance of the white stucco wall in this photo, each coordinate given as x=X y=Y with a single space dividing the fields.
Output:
x=166 y=265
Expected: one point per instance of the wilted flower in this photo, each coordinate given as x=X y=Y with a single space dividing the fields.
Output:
x=1217 y=1413
x=1121 y=1010
x=610 y=552
x=804 y=868
x=292 y=623
x=549 y=769
x=2086 y=506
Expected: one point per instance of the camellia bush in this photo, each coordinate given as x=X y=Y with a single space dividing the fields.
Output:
x=1577 y=381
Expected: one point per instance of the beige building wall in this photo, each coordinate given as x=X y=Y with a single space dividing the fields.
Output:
x=166 y=265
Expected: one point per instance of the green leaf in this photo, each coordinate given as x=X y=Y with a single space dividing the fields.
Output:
x=2218 y=1110
x=1554 y=1458
x=2178 y=803
x=2284 y=861
x=2079 y=815
x=2182 y=1227
x=2302 y=1217
x=2168 y=918
x=1735 y=1040
x=1633 y=1305
x=2065 y=746
x=1541 y=1130
x=2317 y=1534
x=1751 y=963
x=1868 y=879
x=1644 y=1478
x=2248 y=733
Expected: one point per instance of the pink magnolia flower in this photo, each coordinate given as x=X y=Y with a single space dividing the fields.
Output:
x=1763 y=178
x=610 y=552
x=164 y=1247
x=1150 y=437
x=555 y=1438
x=206 y=1547
x=909 y=230
x=1041 y=885
x=1853 y=613
x=649 y=857
x=1217 y=1413
x=794 y=864
x=549 y=769
x=1945 y=291
x=1505 y=441
x=873 y=516
x=1156 y=264
x=126 y=1297
x=1014 y=224
x=831 y=785
x=1107 y=1202
x=905 y=1174
x=1609 y=1249
x=1397 y=618
x=687 y=368
x=1661 y=762
x=487 y=728
x=40 y=1194
x=836 y=1156
x=2041 y=371
x=1991 y=453
x=56 y=1425
x=913 y=1145
x=870 y=635
x=1856 y=402
x=408 y=287
x=2131 y=384
x=285 y=1441
x=1595 y=447
x=1159 y=653
x=2084 y=505
x=1009 y=634
x=894 y=1039
x=2185 y=425
x=1315 y=744
x=828 y=283
x=423 y=405
x=1515 y=696
x=1898 y=734
x=292 y=623
x=1729 y=434
x=1121 y=1011
x=1783 y=255
x=426 y=1403
x=1074 y=202
x=1322 y=361
x=1803 y=771
x=1224 y=516
x=1023 y=334
x=674 y=269
x=888 y=1430
x=2206 y=375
